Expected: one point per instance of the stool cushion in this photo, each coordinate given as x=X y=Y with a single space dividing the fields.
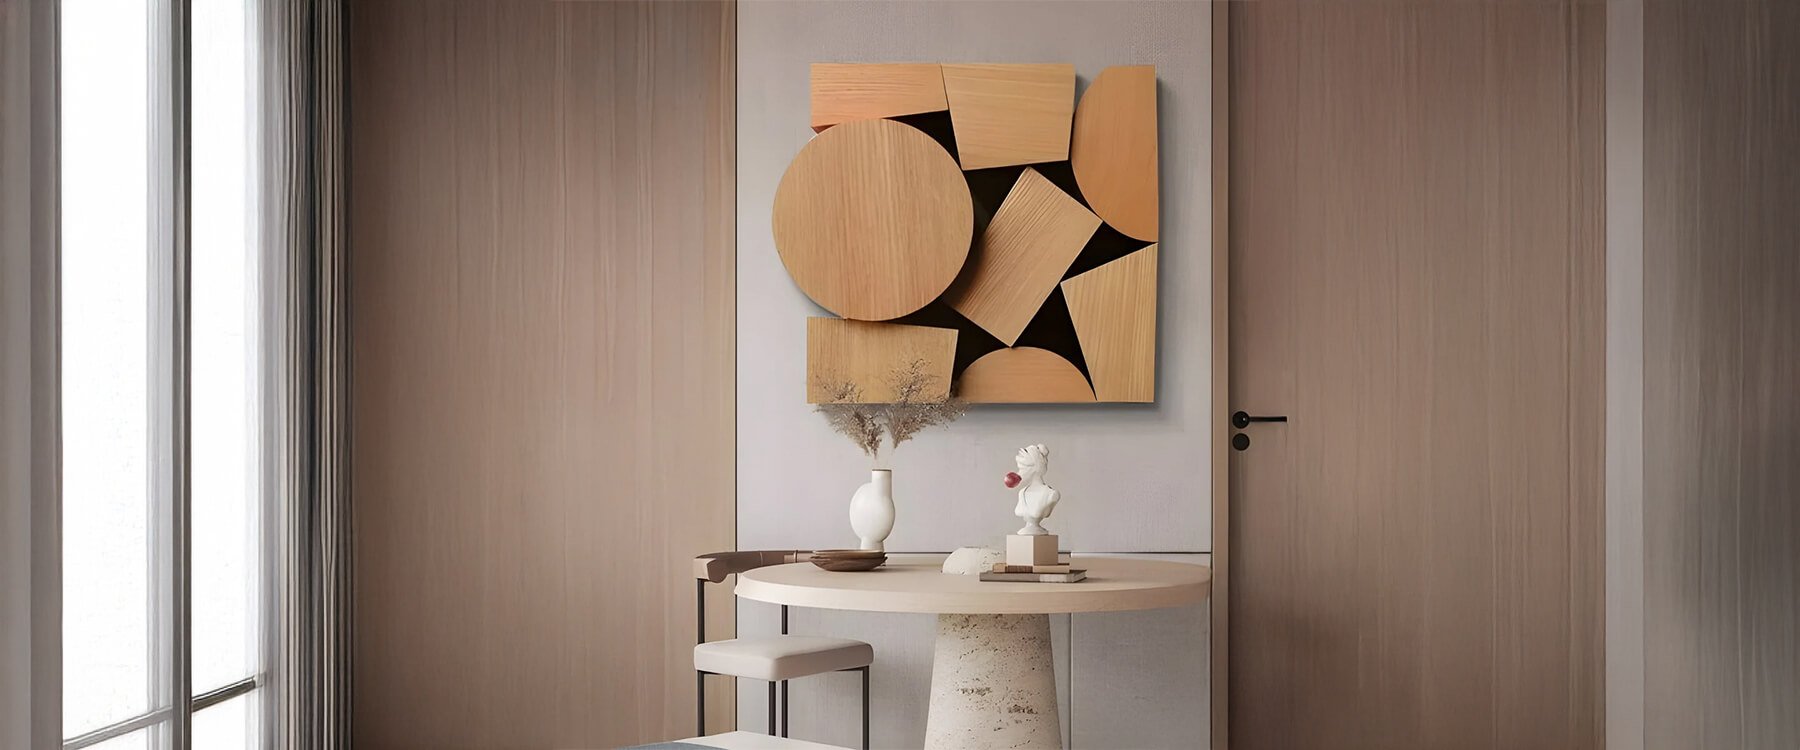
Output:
x=781 y=657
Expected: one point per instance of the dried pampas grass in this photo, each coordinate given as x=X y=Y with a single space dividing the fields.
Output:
x=908 y=414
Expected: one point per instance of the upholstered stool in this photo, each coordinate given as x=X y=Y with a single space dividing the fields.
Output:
x=774 y=659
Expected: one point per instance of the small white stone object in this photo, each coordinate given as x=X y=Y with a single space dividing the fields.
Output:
x=872 y=509
x=1036 y=499
x=970 y=561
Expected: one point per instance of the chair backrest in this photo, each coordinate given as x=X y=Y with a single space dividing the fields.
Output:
x=713 y=567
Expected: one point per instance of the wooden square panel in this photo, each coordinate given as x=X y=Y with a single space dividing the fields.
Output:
x=844 y=92
x=869 y=355
x=1034 y=236
x=1114 y=311
x=1010 y=114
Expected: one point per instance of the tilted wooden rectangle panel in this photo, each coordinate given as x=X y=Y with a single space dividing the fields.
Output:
x=1035 y=235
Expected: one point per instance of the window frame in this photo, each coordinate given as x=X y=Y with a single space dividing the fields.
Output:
x=172 y=697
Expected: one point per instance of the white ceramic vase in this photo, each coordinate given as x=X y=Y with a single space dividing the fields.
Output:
x=872 y=509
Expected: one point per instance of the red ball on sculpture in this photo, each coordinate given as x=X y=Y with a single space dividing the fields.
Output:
x=1012 y=479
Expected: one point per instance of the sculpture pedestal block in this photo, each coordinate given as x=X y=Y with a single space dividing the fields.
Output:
x=1039 y=549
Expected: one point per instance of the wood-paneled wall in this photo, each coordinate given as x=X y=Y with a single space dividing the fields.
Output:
x=1721 y=176
x=542 y=266
x=1417 y=282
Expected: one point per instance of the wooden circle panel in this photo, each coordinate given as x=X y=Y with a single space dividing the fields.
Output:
x=873 y=219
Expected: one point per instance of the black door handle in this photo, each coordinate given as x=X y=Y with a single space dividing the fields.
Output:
x=1241 y=420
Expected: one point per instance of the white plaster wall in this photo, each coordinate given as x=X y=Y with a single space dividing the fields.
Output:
x=1133 y=477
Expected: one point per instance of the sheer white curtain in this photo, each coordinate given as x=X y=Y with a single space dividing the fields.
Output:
x=304 y=51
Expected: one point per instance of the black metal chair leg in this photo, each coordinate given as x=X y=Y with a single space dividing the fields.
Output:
x=700 y=704
x=771 y=708
x=785 y=726
x=865 y=671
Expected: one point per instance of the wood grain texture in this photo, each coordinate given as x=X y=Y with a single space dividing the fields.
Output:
x=873 y=219
x=542 y=224
x=843 y=92
x=870 y=355
x=1721 y=408
x=1114 y=311
x=1113 y=149
x=1022 y=254
x=1023 y=375
x=1415 y=556
x=1007 y=114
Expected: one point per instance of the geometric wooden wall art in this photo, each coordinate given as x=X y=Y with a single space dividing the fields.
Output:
x=1054 y=302
x=1114 y=149
x=867 y=356
x=842 y=92
x=1023 y=375
x=1010 y=114
x=1032 y=239
x=873 y=219
x=1114 y=309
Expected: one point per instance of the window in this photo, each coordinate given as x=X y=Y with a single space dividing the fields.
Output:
x=162 y=499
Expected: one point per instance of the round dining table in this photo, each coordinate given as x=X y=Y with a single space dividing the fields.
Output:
x=993 y=681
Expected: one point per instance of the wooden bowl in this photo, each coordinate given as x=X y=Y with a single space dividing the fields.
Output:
x=837 y=561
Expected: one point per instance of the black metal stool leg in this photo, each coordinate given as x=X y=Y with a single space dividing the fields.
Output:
x=785 y=726
x=771 y=708
x=865 y=671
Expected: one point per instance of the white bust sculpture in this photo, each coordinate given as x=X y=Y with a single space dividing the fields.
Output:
x=1036 y=499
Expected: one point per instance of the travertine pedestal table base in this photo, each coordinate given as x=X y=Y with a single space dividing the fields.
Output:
x=993 y=684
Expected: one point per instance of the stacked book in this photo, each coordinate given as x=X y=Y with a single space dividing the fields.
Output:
x=1034 y=573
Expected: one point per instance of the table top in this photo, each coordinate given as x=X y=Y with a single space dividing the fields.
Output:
x=1113 y=584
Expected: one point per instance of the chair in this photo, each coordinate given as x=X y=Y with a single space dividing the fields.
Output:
x=774 y=659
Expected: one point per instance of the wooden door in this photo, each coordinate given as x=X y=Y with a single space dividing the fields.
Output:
x=1416 y=283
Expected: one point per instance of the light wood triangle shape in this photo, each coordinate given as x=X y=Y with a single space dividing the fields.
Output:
x=1114 y=311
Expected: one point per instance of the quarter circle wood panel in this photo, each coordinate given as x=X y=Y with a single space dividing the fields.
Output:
x=1023 y=375
x=845 y=92
x=1113 y=149
x=873 y=219
x=1114 y=311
